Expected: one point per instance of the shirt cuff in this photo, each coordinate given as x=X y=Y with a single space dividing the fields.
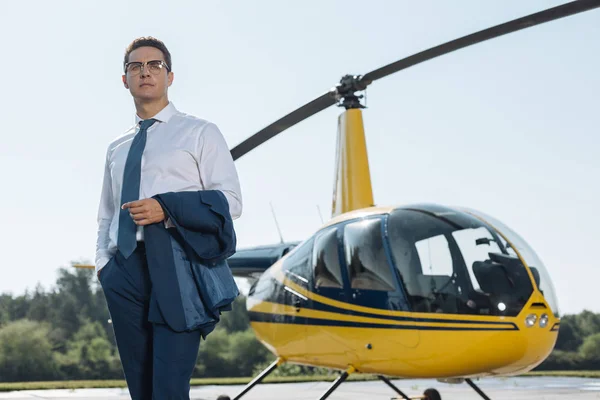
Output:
x=101 y=263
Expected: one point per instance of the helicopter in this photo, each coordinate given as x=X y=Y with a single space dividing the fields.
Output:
x=412 y=291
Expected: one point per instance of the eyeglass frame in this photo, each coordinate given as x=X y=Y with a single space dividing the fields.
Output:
x=143 y=65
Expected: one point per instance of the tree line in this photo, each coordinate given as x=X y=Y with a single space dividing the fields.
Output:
x=64 y=333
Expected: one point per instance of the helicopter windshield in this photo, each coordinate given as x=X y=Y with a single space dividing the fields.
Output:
x=535 y=264
x=451 y=262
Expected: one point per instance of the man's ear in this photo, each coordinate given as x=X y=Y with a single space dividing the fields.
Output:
x=170 y=78
x=125 y=82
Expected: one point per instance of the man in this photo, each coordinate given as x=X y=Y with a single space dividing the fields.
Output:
x=166 y=151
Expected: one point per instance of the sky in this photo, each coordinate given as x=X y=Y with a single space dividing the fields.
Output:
x=508 y=127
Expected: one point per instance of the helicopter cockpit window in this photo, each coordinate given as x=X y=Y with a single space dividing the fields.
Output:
x=297 y=264
x=368 y=267
x=453 y=263
x=539 y=271
x=326 y=261
x=264 y=287
x=435 y=256
x=475 y=245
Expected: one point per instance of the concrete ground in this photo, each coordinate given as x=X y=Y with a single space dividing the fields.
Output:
x=533 y=388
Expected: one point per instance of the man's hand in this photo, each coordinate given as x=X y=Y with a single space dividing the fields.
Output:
x=145 y=212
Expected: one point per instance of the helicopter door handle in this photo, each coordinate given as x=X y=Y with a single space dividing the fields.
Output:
x=297 y=297
x=297 y=303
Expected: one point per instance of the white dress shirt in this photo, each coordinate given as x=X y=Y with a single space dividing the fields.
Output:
x=182 y=153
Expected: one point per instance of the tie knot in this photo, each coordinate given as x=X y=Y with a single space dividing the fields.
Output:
x=147 y=123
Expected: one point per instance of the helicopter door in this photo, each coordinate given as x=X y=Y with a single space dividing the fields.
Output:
x=373 y=284
x=327 y=272
x=372 y=280
x=330 y=305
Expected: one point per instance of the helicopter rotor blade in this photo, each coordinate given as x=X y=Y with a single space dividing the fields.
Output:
x=541 y=17
x=307 y=110
x=331 y=97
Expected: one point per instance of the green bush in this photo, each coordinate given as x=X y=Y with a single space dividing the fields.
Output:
x=26 y=352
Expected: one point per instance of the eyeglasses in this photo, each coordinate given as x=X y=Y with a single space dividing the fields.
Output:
x=154 y=67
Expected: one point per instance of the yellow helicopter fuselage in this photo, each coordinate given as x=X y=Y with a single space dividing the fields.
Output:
x=336 y=334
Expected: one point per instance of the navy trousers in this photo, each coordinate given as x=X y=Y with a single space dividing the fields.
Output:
x=157 y=362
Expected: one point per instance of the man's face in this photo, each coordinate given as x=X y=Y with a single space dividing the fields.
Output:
x=148 y=83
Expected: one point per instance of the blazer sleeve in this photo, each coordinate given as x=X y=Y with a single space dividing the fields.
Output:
x=203 y=220
x=200 y=211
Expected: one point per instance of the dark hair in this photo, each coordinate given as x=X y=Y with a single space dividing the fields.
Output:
x=147 y=41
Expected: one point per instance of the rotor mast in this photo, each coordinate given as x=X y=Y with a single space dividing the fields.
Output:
x=352 y=189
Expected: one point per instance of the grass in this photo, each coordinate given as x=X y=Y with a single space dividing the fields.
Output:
x=571 y=374
x=6 y=387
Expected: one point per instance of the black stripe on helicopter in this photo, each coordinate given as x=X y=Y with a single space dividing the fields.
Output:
x=295 y=320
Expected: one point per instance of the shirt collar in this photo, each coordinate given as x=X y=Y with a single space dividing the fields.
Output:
x=163 y=115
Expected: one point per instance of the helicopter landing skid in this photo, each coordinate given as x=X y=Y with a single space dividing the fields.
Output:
x=429 y=394
x=476 y=388
x=256 y=380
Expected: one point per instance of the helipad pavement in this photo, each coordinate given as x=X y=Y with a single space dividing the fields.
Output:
x=534 y=388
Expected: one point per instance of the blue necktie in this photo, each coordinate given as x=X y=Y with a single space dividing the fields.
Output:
x=130 y=191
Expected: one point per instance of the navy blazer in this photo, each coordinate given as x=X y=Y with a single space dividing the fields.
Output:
x=191 y=280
